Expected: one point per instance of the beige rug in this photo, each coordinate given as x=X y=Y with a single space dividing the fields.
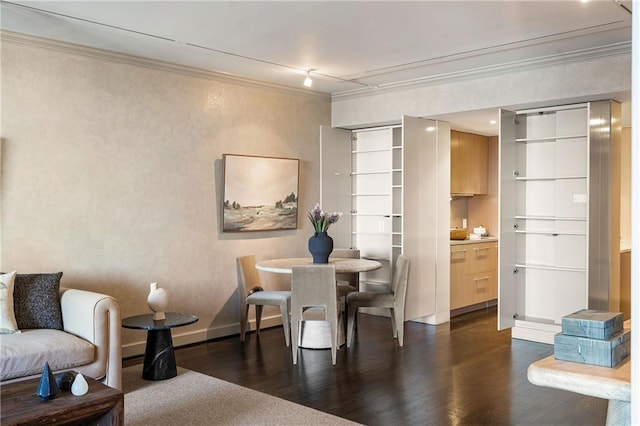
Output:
x=196 y=399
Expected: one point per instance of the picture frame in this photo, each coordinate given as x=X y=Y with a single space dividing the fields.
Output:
x=259 y=193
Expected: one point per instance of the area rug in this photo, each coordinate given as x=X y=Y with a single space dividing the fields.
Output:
x=196 y=399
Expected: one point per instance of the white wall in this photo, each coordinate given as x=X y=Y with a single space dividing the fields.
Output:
x=111 y=173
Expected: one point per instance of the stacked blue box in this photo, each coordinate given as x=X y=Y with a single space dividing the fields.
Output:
x=593 y=337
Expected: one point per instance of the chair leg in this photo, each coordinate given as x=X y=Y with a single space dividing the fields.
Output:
x=351 y=319
x=258 y=318
x=334 y=324
x=295 y=334
x=400 y=326
x=284 y=311
x=344 y=311
x=243 y=322
x=393 y=322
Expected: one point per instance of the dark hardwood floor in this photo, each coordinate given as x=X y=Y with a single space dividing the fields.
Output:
x=461 y=373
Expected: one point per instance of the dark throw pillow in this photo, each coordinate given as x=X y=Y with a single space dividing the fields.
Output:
x=36 y=301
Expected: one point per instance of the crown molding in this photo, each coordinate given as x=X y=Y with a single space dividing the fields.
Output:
x=90 y=52
x=590 y=54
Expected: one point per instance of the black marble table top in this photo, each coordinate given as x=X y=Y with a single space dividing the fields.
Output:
x=146 y=321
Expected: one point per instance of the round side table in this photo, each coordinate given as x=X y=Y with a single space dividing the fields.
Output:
x=159 y=357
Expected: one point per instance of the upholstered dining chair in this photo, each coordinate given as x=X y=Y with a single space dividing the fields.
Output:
x=314 y=298
x=347 y=282
x=251 y=293
x=394 y=300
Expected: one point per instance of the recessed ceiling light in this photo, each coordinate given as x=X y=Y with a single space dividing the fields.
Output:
x=493 y=122
x=430 y=129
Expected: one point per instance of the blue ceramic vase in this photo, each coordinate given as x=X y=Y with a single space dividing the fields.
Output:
x=320 y=247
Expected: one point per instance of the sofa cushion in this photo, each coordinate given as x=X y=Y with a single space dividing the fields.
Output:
x=36 y=299
x=24 y=354
x=8 y=323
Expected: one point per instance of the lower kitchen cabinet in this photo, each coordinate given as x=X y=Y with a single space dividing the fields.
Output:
x=473 y=273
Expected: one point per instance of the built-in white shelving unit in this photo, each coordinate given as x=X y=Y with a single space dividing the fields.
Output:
x=395 y=183
x=376 y=213
x=551 y=205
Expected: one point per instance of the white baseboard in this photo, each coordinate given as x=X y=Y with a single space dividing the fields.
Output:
x=199 y=335
x=435 y=319
x=531 y=334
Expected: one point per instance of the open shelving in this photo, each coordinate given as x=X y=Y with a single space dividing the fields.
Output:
x=548 y=194
x=376 y=193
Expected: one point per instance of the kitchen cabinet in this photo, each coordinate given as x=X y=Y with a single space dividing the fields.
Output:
x=558 y=228
x=473 y=273
x=469 y=158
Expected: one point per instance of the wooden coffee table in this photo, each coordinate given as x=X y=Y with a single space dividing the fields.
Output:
x=101 y=405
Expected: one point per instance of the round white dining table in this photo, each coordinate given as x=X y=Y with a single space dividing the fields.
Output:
x=316 y=334
x=342 y=265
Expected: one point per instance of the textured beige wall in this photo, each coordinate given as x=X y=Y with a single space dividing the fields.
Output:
x=111 y=173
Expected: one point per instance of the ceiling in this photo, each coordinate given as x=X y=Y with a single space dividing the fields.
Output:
x=350 y=46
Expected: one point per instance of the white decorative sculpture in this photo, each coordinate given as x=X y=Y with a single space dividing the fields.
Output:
x=158 y=301
x=79 y=386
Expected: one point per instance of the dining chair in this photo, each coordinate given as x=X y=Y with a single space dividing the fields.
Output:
x=251 y=293
x=394 y=300
x=347 y=282
x=314 y=297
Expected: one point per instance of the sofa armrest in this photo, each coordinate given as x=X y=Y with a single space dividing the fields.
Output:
x=96 y=318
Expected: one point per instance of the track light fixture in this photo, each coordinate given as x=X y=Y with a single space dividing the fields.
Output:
x=307 y=81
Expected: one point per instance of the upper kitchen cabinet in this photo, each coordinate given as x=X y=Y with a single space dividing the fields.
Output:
x=469 y=157
x=559 y=215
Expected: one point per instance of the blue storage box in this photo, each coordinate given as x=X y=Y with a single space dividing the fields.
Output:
x=594 y=324
x=607 y=353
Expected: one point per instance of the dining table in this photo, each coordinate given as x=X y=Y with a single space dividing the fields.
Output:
x=343 y=265
x=317 y=334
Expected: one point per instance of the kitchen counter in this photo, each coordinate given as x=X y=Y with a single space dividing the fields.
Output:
x=468 y=241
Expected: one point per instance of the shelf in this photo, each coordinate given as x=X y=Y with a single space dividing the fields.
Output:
x=367 y=151
x=378 y=172
x=372 y=282
x=386 y=234
x=549 y=267
x=521 y=178
x=372 y=214
x=550 y=233
x=526 y=217
x=550 y=138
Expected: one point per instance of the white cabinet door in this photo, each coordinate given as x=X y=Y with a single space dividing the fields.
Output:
x=507 y=290
x=335 y=181
x=426 y=149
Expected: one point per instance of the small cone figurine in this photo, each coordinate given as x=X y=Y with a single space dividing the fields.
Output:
x=47 y=389
x=79 y=386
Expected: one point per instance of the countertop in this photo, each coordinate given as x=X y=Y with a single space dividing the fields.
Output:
x=468 y=241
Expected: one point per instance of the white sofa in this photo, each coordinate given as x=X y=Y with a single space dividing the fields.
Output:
x=89 y=344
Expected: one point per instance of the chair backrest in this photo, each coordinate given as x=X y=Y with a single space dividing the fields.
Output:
x=352 y=278
x=400 y=279
x=314 y=285
x=248 y=275
x=344 y=252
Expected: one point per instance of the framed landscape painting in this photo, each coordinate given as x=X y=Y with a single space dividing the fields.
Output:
x=260 y=193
